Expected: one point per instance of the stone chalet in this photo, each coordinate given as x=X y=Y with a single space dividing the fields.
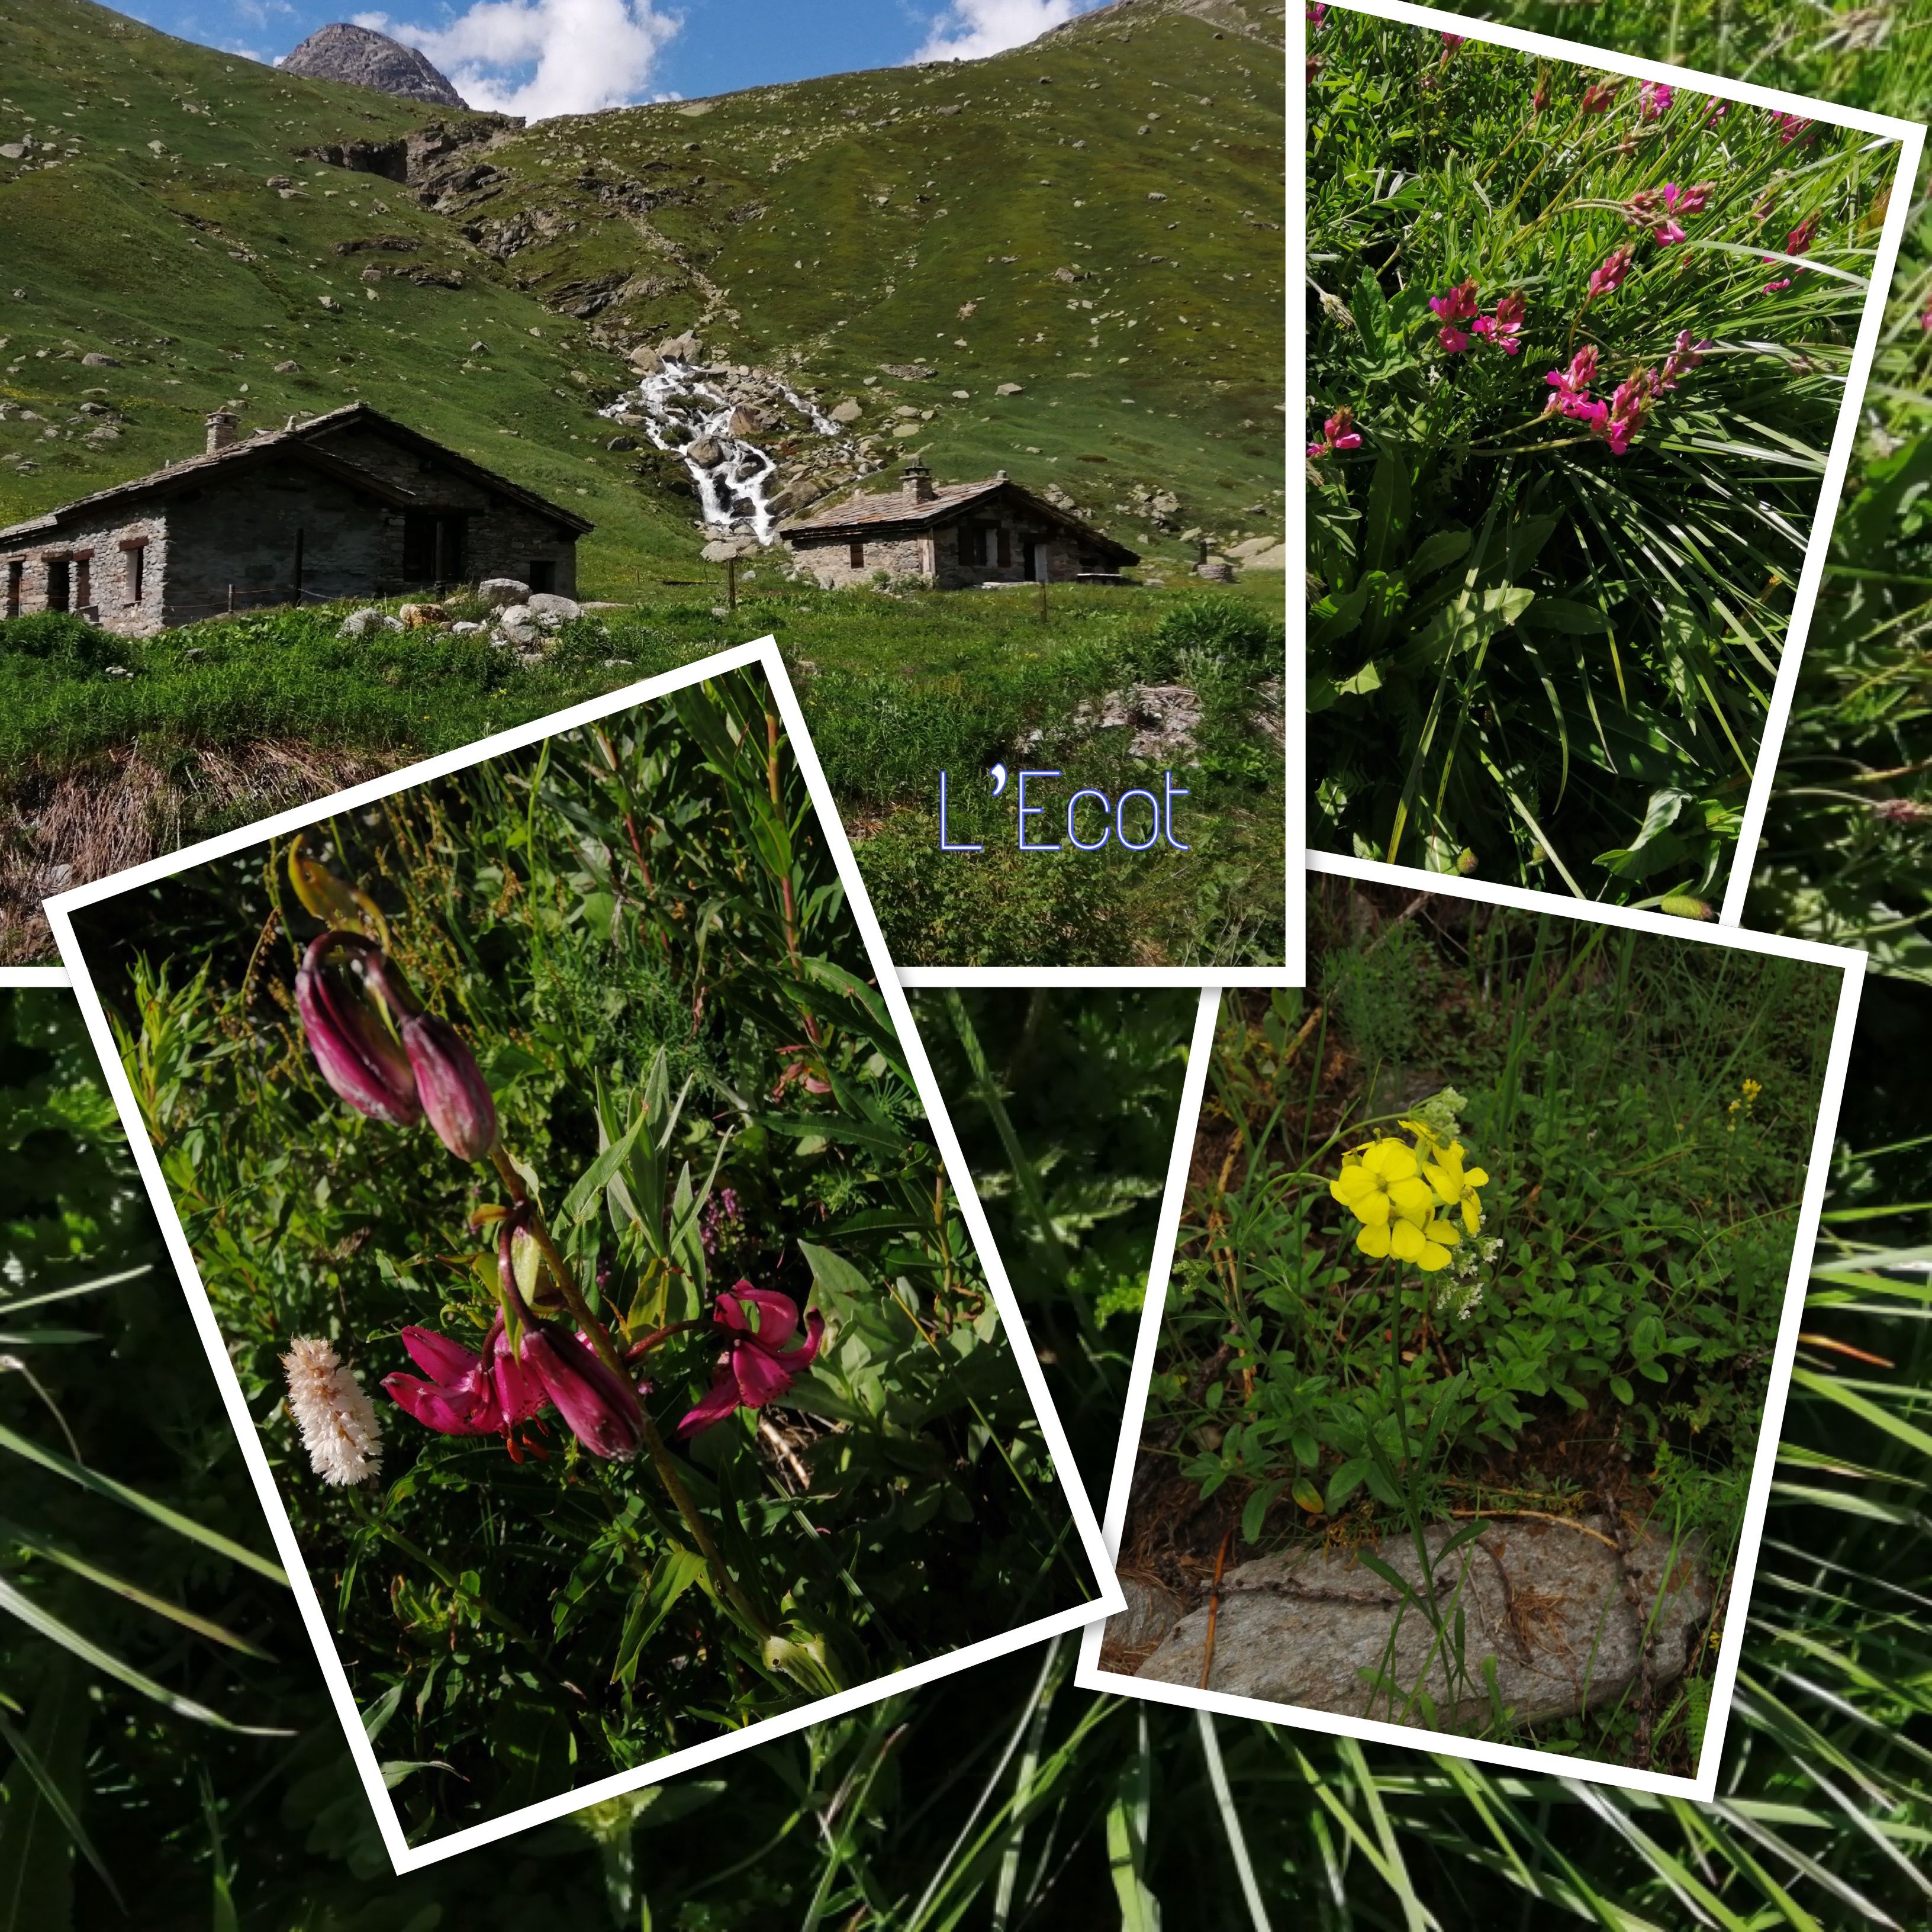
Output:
x=952 y=535
x=350 y=504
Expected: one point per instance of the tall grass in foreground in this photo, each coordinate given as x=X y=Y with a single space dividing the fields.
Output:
x=1005 y=1798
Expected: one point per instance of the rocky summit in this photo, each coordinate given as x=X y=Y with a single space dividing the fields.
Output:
x=365 y=59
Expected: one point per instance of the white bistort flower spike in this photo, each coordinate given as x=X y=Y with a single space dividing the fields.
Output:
x=339 y=1428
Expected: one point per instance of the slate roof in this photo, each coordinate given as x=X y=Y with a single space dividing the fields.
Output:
x=297 y=442
x=898 y=511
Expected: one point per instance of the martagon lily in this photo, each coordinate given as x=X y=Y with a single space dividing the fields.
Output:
x=758 y=1367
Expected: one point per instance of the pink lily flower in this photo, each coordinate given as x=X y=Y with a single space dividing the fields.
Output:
x=466 y=1393
x=1608 y=278
x=758 y=1368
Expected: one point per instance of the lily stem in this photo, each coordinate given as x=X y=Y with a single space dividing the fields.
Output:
x=661 y=1458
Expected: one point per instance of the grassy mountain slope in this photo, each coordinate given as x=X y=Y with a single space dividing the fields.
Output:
x=823 y=228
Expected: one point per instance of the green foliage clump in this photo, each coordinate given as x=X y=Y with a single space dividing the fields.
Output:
x=1636 y=1117
x=638 y=928
x=1543 y=642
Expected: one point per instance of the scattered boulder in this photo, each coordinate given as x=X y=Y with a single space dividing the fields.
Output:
x=645 y=360
x=466 y=629
x=500 y=591
x=280 y=181
x=94 y=359
x=422 y=617
x=117 y=670
x=908 y=372
x=619 y=444
x=1152 y=1612
x=1010 y=389
x=550 y=609
x=1215 y=570
x=1547 y=1600
x=517 y=624
x=288 y=368
x=478 y=348
x=1070 y=274
x=1155 y=194
x=329 y=302
x=361 y=623
x=848 y=411
x=1261 y=554
x=706 y=452
x=745 y=420
x=685 y=348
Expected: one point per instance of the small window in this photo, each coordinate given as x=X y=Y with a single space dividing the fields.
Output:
x=543 y=574
x=973 y=544
x=1005 y=548
x=856 y=556
x=137 y=573
x=15 y=573
x=59 y=593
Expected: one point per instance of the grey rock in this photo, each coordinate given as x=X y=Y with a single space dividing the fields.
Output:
x=117 y=670
x=94 y=359
x=288 y=368
x=1152 y=1612
x=12 y=151
x=706 y=452
x=365 y=59
x=645 y=360
x=619 y=445
x=500 y=591
x=1215 y=570
x=1546 y=1601
x=909 y=372
x=279 y=181
x=360 y=623
x=550 y=609
x=465 y=630
x=850 y=410
x=517 y=624
x=1010 y=389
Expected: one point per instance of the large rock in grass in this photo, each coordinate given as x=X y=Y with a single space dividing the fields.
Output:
x=500 y=592
x=366 y=622
x=1546 y=1601
x=364 y=58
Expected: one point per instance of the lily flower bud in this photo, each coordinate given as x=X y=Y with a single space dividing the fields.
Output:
x=451 y=1085
x=354 y=1051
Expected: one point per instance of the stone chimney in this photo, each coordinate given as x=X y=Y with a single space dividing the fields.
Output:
x=220 y=429
x=918 y=482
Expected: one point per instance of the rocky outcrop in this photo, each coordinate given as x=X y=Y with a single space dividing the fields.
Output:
x=363 y=58
x=1555 y=1607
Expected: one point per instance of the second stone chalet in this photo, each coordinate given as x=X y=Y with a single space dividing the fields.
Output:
x=953 y=536
x=352 y=504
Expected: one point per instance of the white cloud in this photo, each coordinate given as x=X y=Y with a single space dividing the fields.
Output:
x=540 y=58
x=972 y=29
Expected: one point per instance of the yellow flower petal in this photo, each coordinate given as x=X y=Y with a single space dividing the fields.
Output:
x=1390 y=1161
x=1372 y=1208
x=1350 y=1185
x=1472 y=1216
x=1441 y=1233
x=1476 y=1177
x=1375 y=1240
x=1432 y=1257
x=1412 y=1200
x=1406 y=1241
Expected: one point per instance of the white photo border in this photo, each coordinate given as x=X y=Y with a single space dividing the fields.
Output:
x=762 y=655
x=1703 y=1787
x=1910 y=136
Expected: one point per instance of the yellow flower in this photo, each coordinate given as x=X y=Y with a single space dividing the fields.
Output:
x=1751 y=1090
x=1382 y=1186
x=1454 y=1185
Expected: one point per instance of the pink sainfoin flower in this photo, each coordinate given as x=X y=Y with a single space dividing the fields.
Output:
x=1451 y=42
x=1316 y=14
x=1687 y=200
x=1791 y=126
x=1539 y=98
x=1607 y=279
x=1667 y=234
x=1597 y=98
x=1718 y=112
x=758 y=1368
x=1653 y=98
x=1686 y=355
x=1502 y=328
x=1629 y=404
x=1338 y=432
x=1576 y=380
x=1798 y=242
x=1459 y=304
x=1925 y=320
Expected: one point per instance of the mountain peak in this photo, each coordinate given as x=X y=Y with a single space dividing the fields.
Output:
x=365 y=59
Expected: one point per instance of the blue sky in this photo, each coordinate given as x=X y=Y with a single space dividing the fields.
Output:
x=544 y=57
